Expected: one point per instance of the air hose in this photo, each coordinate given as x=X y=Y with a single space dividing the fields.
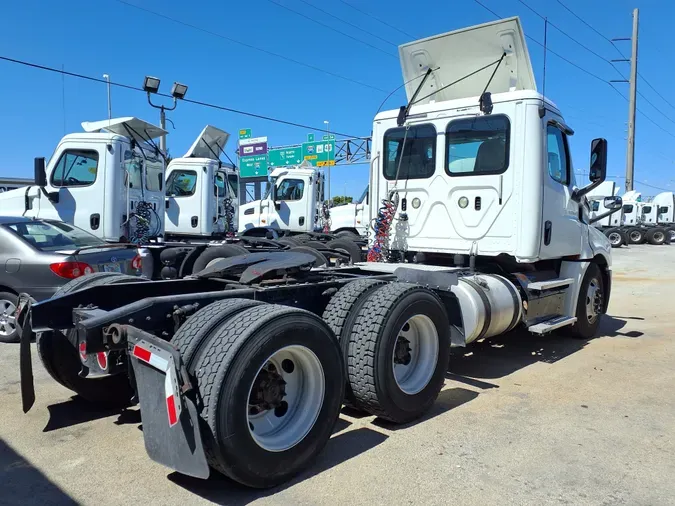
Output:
x=325 y=217
x=228 y=208
x=379 y=251
x=143 y=215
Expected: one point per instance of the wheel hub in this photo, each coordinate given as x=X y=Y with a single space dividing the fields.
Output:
x=402 y=353
x=268 y=391
x=594 y=301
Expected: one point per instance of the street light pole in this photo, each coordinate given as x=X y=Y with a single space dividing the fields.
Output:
x=327 y=123
x=178 y=91
x=107 y=78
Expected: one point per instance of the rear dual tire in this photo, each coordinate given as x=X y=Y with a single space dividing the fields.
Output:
x=270 y=383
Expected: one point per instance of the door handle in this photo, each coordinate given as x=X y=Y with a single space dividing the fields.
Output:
x=94 y=221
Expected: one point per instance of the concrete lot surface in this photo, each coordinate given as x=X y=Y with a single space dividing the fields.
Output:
x=521 y=420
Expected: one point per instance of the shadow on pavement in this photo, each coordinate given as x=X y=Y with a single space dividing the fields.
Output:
x=505 y=354
x=447 y=400
x=21 y=483
x=75 y=411
x=339 y=449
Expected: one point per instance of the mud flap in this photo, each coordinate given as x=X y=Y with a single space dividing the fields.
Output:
x=23 y=320
x=170 y=422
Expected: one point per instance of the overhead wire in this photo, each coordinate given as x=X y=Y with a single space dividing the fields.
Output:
x=320 y=23
x=348 y=23
x=250 y=46
x=166 y=95
x=378 y=19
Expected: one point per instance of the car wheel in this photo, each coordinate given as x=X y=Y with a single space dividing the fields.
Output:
x=9 y=332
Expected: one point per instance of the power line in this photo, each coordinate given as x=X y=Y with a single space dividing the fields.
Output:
x=348 y=23
x=378 y=20
x=250 y=46
x=189 y=101
x=310 y=18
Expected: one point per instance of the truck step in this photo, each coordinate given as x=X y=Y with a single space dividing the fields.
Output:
x=550 y=325
x=549 y=284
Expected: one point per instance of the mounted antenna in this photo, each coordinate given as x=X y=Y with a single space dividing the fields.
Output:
x=405 y=109
x=542 y=109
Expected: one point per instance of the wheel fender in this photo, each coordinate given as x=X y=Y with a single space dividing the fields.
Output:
x=576 y=271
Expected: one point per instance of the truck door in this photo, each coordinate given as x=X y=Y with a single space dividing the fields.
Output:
x=184 y=196
x=291 y=209
x=562 y=229
x=78 y=177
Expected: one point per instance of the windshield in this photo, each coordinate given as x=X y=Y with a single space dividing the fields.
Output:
x=53 y=235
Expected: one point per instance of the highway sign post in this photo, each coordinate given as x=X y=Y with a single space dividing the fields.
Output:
x=283 y=157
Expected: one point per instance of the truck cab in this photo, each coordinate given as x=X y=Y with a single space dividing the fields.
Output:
x=292 y=202
x=107 y=180
x=201 y=191
x=665 y=203
x=352 y=217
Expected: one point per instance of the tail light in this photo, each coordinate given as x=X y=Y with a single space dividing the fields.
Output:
x=71 y=270
x=137 y=262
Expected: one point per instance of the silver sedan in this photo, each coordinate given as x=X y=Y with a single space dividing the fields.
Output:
x=39 y=256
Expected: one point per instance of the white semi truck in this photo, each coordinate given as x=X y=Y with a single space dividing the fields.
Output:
x=243 y=368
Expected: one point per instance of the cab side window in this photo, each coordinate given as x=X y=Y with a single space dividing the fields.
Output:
x=76 y=167
x=558 y=155
x=181 y=183
x=290 y=189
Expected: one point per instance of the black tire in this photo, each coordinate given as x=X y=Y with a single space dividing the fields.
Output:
x=348 y=246
x=656 y=236
x=585 y=328
x=348 y=234
x=374 y=336
x=341 y=312
x=616 y=237
x=302 y=238
x=9 y=331
x=320 y=259
x=190 y=337
x=314 y=244
x=670 y=233
x=216 y=252
x=59 y=357
x=289 y=241
x=225 y=375
x=168 y=273
x=635 y=235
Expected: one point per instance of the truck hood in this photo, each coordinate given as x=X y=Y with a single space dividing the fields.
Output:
x=462 y=52
x=210 y=143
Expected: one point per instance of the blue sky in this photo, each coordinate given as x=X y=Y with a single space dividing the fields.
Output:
x=107 y=36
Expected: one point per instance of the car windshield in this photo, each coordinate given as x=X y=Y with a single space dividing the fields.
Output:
x=53 y=235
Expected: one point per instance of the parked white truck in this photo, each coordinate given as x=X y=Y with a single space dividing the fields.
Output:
x=351 y=218
x=242 y=369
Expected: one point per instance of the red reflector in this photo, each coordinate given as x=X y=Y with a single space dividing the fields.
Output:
x=171 y=409
x=137 y=262
x=142 y=353
x=83 y=350
x=71 y=270
x=102 y=360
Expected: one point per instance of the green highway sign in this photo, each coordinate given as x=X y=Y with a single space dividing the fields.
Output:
x=245 y=133
x=319 y=153
x=282 y=157
x=253 y=166
x=310 y=137
x=330 y=137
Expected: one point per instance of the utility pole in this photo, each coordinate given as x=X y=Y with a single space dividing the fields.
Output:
x=630 y=150
x=327 y=123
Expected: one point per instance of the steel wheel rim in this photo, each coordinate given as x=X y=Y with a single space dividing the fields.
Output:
x=284 y=424
x=415 y=354
x=615 y=238
x=7 y=317
x=635 y=236
x=593 y=301
x=659 y=236
x=672 y=235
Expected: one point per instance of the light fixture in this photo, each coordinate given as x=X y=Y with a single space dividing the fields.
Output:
x=416 y=203
x=179 y=90
x=463 y=202
x=151 y=84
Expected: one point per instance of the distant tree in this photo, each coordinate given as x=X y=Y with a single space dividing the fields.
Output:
x=340 y=199
x=168 y=157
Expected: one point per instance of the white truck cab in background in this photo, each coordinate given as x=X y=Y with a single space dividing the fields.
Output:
x=201 y=191
x=352 y=217
x=107 y=180
x=293 y=202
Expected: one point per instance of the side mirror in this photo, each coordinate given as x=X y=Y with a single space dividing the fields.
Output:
x=40 y=172
x=612 y=203
x=598 y=167
x=597 y=170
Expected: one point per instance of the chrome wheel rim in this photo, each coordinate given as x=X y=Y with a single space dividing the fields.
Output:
x=635 y=236
x=415 y=354
x=615 y=238
x=659 y=236
x=285 y=398
x=672 y=235
x=593 y=301
x=7 y=317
